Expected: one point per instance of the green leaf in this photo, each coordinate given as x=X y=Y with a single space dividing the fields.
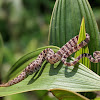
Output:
x=20 y=96
x=67 y=95
x=76 y=78
x=1 y=50
x=85 y=49
x=65 y=24
x=1 y=55
x=98 y=98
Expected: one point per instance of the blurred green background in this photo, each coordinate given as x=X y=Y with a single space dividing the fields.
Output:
x=24 y=26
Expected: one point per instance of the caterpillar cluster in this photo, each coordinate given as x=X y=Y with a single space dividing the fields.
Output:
x=51 y=57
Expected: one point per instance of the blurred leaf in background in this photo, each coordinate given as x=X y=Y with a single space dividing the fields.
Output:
x=1 y=50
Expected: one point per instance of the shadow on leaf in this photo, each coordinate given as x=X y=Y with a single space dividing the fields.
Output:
x=72 y=72
x=37 y=75
x=54 y=71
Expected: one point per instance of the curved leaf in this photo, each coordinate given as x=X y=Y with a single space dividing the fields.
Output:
x=78 y=78
x=67 y=95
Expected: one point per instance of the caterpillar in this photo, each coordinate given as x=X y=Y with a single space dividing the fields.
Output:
x=48 y=54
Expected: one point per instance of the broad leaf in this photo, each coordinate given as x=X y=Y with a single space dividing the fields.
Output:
x=65 y=23
x=77 y=78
